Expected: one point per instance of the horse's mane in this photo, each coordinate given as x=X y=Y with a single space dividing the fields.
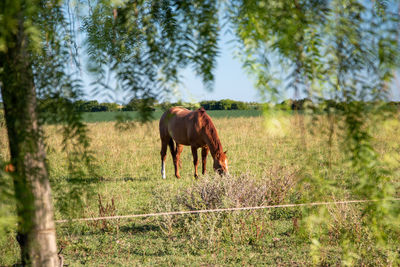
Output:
x=211 y=131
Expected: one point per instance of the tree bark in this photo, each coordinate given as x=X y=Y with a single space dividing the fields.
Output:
x=36 y=228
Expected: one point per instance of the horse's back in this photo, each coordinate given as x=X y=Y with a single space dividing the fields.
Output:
x=178 y=123
x=172 y=115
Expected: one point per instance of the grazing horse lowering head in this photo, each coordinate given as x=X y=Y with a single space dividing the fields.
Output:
x=181 y=127
x=221 y=164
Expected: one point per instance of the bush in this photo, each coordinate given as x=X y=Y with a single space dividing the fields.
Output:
x=243 y=191
x=211 y=192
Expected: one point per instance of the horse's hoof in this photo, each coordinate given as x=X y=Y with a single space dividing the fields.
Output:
x=196 y=176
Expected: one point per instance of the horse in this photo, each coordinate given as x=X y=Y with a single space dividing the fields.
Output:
x=195 y=129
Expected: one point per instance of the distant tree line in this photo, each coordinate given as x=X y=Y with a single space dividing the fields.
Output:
x=228 y=104
x=322 y=105
x=95 y=106
x=224 y=104
x=150 y=103
x=47 y=104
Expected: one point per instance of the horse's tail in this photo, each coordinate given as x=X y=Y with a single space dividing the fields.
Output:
x=172 y=146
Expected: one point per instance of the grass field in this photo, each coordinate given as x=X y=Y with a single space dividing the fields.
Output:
x=268 y=162
x=111 y=116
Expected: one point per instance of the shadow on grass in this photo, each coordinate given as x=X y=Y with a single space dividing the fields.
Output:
x=136 y=229
x=93 y=180
x=158 y=253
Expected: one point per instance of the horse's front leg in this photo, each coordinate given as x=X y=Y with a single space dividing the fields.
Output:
x=204 y=152
x=178 y=152
x=195 y=161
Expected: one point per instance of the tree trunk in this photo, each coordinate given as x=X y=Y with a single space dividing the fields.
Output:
x=36 y=228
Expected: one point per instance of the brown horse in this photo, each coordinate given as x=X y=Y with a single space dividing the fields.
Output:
x=190 y=128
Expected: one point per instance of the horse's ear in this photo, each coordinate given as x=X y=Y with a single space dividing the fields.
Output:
x=202 y=110
x=226 y=151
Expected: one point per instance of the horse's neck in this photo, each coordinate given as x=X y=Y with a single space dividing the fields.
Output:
x=213 y=143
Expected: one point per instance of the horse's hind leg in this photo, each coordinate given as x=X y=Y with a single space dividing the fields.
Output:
x=178 y=152
x=172 y=149
x=195 y=161
x=164 y=146
x=204 y=152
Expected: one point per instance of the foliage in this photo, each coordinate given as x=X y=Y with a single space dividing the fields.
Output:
x=225 y=104
x=152 y=104
x=346 y=50
x=89 y=106
x=35 y=52
x=111 y=106
x=144 y=105
x=46 y=105
x=2 y=120
x=144 y=44
x=94 y=106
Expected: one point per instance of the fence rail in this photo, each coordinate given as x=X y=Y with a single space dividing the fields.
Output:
x=171 y=213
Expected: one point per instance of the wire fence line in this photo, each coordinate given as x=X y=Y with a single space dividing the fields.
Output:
x=171 y=213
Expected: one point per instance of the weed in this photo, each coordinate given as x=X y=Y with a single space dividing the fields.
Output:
x=104 y=210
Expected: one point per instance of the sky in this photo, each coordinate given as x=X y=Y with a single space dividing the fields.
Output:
x=230 y=82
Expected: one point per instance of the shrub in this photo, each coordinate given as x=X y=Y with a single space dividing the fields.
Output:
x=210 y=192
x=243 y=191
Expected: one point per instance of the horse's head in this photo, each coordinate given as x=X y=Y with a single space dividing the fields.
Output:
x=221 y=164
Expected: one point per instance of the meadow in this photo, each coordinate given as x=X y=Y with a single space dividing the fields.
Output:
x=90 y=117
x=270 y=160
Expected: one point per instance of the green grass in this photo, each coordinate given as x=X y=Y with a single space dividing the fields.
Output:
x=273 y=155
x=111 y=116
